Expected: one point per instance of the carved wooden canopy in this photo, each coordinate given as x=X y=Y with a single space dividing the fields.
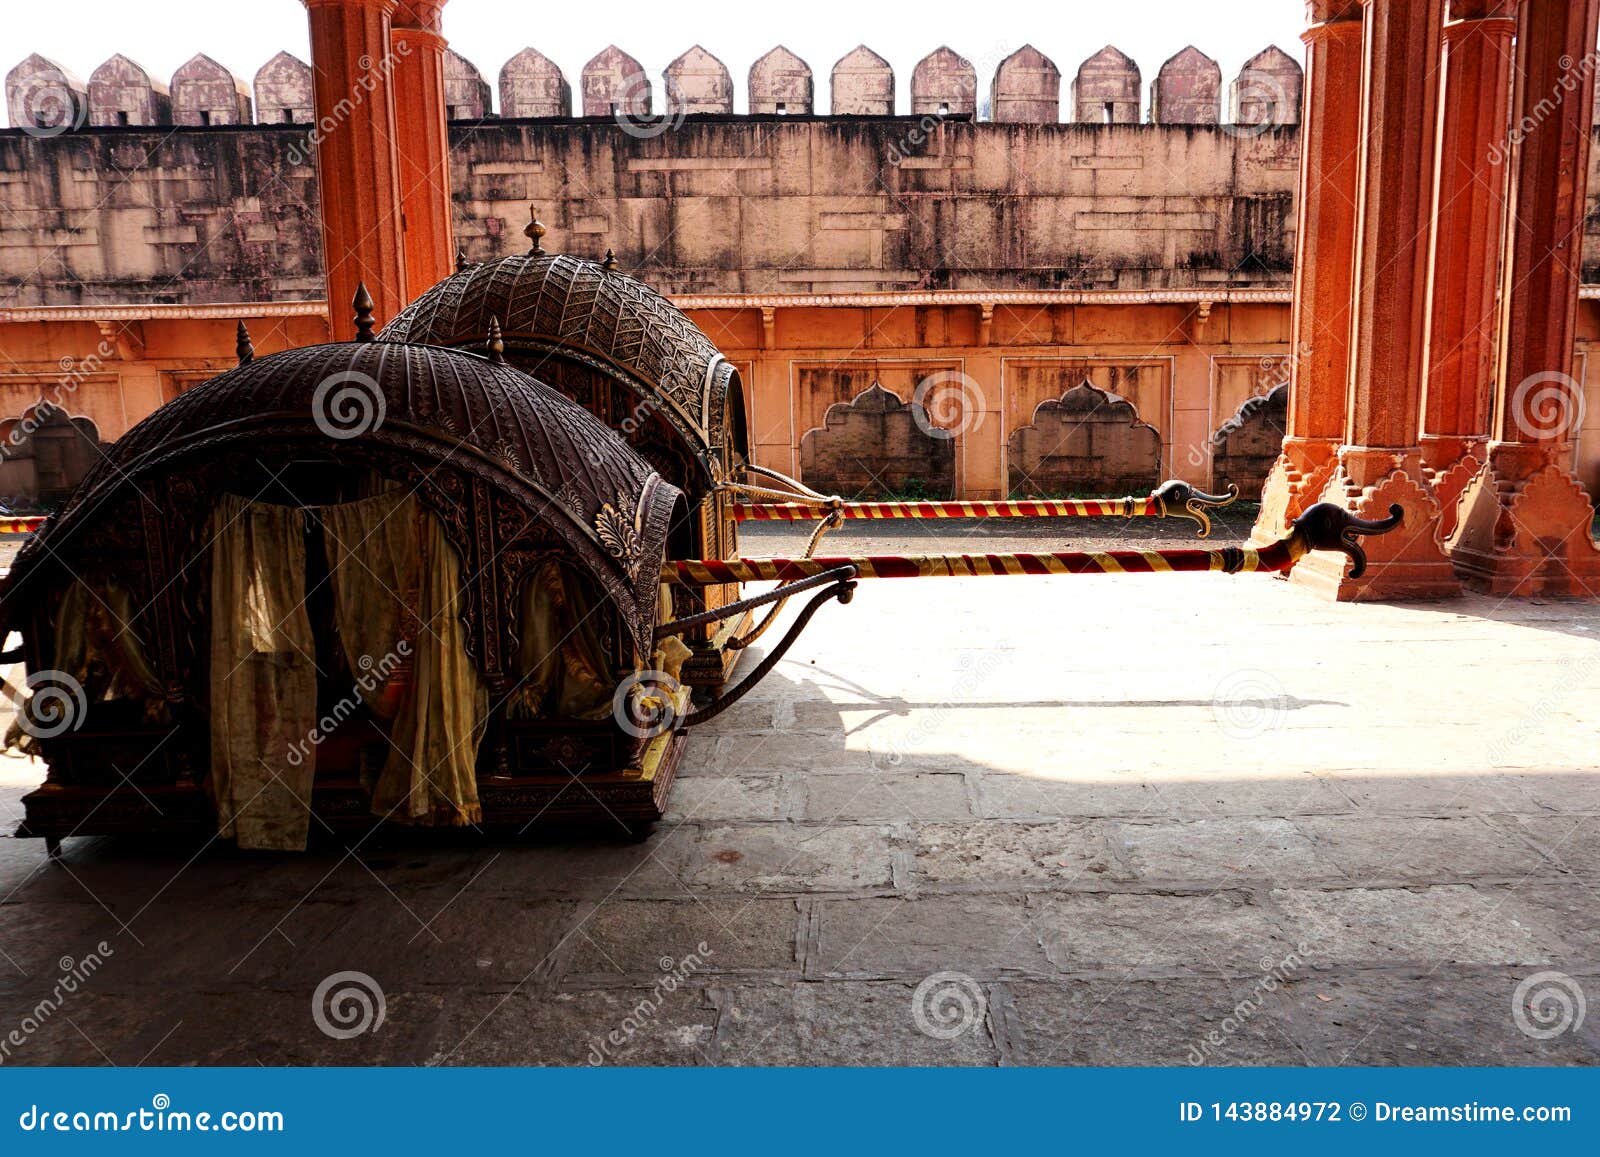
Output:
x=555 y=305
x=497 y=454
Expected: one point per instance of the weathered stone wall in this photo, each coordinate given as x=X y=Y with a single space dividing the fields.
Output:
x=131 y=216
x=731 y=205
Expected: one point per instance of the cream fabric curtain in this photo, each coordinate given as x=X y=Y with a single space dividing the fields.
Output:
x=263 y=674
x=374 y=556
x=430 y=773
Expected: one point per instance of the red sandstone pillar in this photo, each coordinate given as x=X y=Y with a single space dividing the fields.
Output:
x=1330 y=144
x=357 y=167
x=1469 y=230
x=422 y=143
x=1525 y=518
x=1380 y=462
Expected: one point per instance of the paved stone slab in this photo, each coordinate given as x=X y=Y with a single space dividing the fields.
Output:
x=1223 y=851
x=1003 y=853
x=1478 y=794
x=982 y=935
x=1214 y=1021
x=610 y=1026
x=885 y=795
x=704 y=799
x=780 y=858
x=1226 y=795
x=1371 y=849
x=1224 y=931
x=1436 y=1018
x=856 y=1023
x=1444 y=924
x=632 y=938
x=1062 y=796
x=1570 y=841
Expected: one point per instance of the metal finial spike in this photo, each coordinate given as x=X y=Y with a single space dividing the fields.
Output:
x=363 y=307
x=497 y=347
x=242 y=344
x=534 y=231
x=610 y=263
x=461 y=260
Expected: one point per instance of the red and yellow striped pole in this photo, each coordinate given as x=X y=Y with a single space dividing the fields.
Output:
x=1170 y=499
x=1323 y=527
x=1029 y=508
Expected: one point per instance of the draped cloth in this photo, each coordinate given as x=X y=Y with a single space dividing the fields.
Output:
x=397 y=592
x=95 y=647
x=562 y=659
x=373 y=557
x=263 y=674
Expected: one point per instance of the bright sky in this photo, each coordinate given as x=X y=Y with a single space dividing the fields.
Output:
x=244 y=34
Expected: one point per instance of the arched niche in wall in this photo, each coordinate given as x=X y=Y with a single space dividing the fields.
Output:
x=44 y=454
x=1086 y=442
x=878 y=446
x=1244 y=447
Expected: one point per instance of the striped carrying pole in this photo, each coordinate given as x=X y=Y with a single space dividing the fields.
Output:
x=1322 y=527
x=21 y=525
x=1170 y=499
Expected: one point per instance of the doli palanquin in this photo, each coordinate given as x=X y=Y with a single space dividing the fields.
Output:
x=392 y=581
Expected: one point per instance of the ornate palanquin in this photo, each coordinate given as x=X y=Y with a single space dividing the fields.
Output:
x=632 y=358
x=516 y=474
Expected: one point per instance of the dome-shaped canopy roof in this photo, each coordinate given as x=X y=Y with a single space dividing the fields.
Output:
x=436 y=410
x=555 y=304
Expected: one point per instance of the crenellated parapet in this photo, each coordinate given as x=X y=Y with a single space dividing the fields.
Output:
x=1024 y=88
x=944 y=83
x=531 y=85
x=283 y=91
x=205 y=93
x=466 y=93
x=121 y=92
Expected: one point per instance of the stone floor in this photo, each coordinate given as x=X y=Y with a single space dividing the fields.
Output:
x=1098 y=820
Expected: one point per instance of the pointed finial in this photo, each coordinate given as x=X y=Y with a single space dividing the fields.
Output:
x=461 y=260
x=497 y=347
x=363 y=308
x=534 y=231
x=242 y=345
x=610 y=262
